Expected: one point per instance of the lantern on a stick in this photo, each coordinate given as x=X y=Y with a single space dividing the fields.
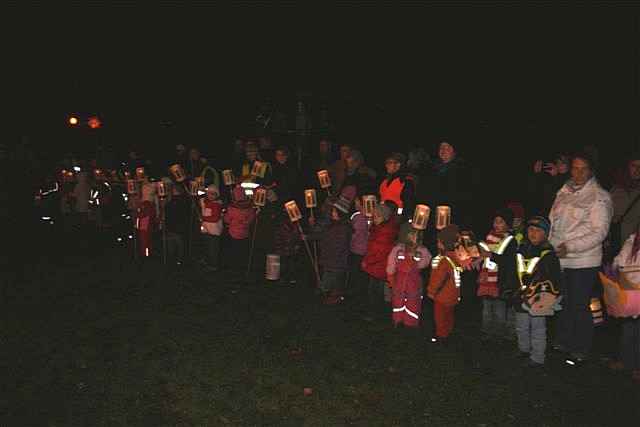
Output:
x=421 y=217
x=161 y=189
x=310 y=199
x=260 y=197
x=259 y=169
x=293 y=211
x=324 y=179
x=131 y=186
x=228 y=178
x=369 y=202
x=443 y=217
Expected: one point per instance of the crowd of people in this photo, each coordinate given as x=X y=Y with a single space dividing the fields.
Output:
x=360 y=236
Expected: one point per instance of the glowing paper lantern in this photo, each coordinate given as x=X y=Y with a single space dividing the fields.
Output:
x=140 y=173
x=369 y=202
x=324 y=178
x=421 y=217
x=310 y=199
x=259 y=169
x=131 y=186
x=228 y=178
x=161 y=189
x=260 y=197
x=293 y=211
x=443 y=217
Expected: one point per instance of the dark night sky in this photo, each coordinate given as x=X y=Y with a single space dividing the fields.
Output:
x=535 y=74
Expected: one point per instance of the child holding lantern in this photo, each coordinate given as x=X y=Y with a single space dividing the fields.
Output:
x=334 y=252
x=445 y=281
x=404 y=264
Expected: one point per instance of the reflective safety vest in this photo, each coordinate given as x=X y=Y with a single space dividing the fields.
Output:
x=392 y=191
x=526 y=266
x=457 y=271
x=498 y=249
x=400 y=256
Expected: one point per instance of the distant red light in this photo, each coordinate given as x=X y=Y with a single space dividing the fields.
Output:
x=94 y=122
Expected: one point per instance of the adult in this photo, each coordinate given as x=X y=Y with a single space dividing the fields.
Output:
x=195 y=163
x=447 y=181
x=625 y=196
x=285 y=176
x=397 y=186
x=544 y=183
x=359 y=175
x=338 y=169
x=580 y=218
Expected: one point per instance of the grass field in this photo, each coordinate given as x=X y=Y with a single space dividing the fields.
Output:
x=92 y=340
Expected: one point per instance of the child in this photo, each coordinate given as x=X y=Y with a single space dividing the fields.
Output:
x=444 y=282
x=239 y=217
x=146 y=219
x=358 y=279
x=537 y=292
x=334 y=254
x=498 y=272
x=628 y=263
x=382 y=238
x=212 y=226
x=405 y=261
x=286 y=244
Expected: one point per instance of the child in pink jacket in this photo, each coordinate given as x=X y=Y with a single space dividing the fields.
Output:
x=239 y=217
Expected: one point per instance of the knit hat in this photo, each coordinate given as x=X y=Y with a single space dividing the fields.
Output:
x=397 y=157
x=384 y=211
x=541 y=223
x=506 y=214
x=342 y=204
x=449 y=236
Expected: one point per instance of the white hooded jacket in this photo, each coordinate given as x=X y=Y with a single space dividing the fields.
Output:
x=580 y=219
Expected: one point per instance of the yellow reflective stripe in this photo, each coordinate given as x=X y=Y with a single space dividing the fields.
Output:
x=503 y=244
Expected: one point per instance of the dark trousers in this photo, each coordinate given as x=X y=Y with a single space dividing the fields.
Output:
x=239 y=254
x=358 y=279
x=575 y=322
x=212 y=249
x=175 y=247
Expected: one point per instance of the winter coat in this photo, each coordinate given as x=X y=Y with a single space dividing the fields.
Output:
x=580 y=219
x=400 y=189
x=178 y=211
x=212 y=217
x=448 y=184
x=622 y=199
x=239 y=217
x=542 y=189
x=624 y=261
x=501 y=266
x=359 y=233
x=286 y=181
x=286 y=237
x=334 y=247
x=445 y=280
x=403 y=267
x=382 y=239
x=546 y=270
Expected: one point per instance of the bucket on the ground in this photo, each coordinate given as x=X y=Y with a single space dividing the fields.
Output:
x=273 y=267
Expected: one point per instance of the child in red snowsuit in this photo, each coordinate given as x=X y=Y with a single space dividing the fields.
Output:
x=444 y=282
x=405 y=261
x=212 y=226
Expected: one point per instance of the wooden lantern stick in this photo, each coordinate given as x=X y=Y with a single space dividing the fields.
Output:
x=253 y=242
x=306 y=245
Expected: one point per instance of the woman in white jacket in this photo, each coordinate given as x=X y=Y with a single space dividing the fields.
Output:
x=580 y=219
